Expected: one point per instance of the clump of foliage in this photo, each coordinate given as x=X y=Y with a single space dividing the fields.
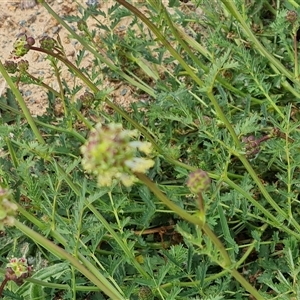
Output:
x=191 y=194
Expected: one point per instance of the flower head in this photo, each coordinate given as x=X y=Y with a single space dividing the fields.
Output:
x=110 y=154
x=17 y=269
x=198 y=181
x=47 y=43
x=291 y=16
x=23 y=65
x=22 y=45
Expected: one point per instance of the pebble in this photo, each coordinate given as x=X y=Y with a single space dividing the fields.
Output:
x=123 y=92
x=11 y=8
x=27 y=93
x=55 y=29
x=22 y=23
x=92 y=2
x=35 y=56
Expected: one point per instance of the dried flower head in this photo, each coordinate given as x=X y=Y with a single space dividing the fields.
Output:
x=291 y=16
x=87 y=97
x=198 y=182
x=110 y=154
x=7 y=209
x=145 y=293
x=252 y=146
x=10 y=66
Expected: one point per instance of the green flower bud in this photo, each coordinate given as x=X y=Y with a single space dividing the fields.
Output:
x=198 y=182
x=109 y=154
x=23 y=65
x=47 y=43
x=81 y=25
x=30 y=41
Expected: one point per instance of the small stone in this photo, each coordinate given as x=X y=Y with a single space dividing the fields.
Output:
x=22 y=23
x=92 y=2
x=55 y=29
x=123 y=92
x=11 y=8
x=27 y=93
x=26 y=4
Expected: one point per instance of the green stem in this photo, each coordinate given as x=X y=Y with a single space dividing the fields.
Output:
x=183 y=214
x=261 y=208
x=247 y=286
x=265 y=193
x=296 y=55
x=190 y=72
x=12 y=152
x=263 y=51
x=224 y=272
x=22 y=104
x=294 y=3
x=179 y=33
x=52 y=127
x=105 y=287
x=197 y=221
x=42 y=84
x=60 y=239
x=122 y=243
x=61 y=90
x=87 y=45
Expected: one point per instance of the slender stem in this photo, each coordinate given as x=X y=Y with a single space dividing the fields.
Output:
x=267 y=196
x=2 y=286
x=296 y=55
x=198 y=221
x=61 y=90
x=22 y=104
x=52 y=127
x=235 y=13
x=105 y=287
x=294 y=3
x=272 y=219
x=96 y=53
x=223 y=118
x=188 y=217
x=44 y=85
x=180 y=35
x=247 y=286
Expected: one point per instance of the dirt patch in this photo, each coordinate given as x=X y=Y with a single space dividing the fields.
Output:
x=36 y=22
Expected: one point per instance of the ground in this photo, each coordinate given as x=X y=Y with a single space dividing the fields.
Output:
x=36 y=22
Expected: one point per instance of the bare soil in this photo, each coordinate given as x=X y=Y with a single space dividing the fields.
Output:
x=36 y=22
